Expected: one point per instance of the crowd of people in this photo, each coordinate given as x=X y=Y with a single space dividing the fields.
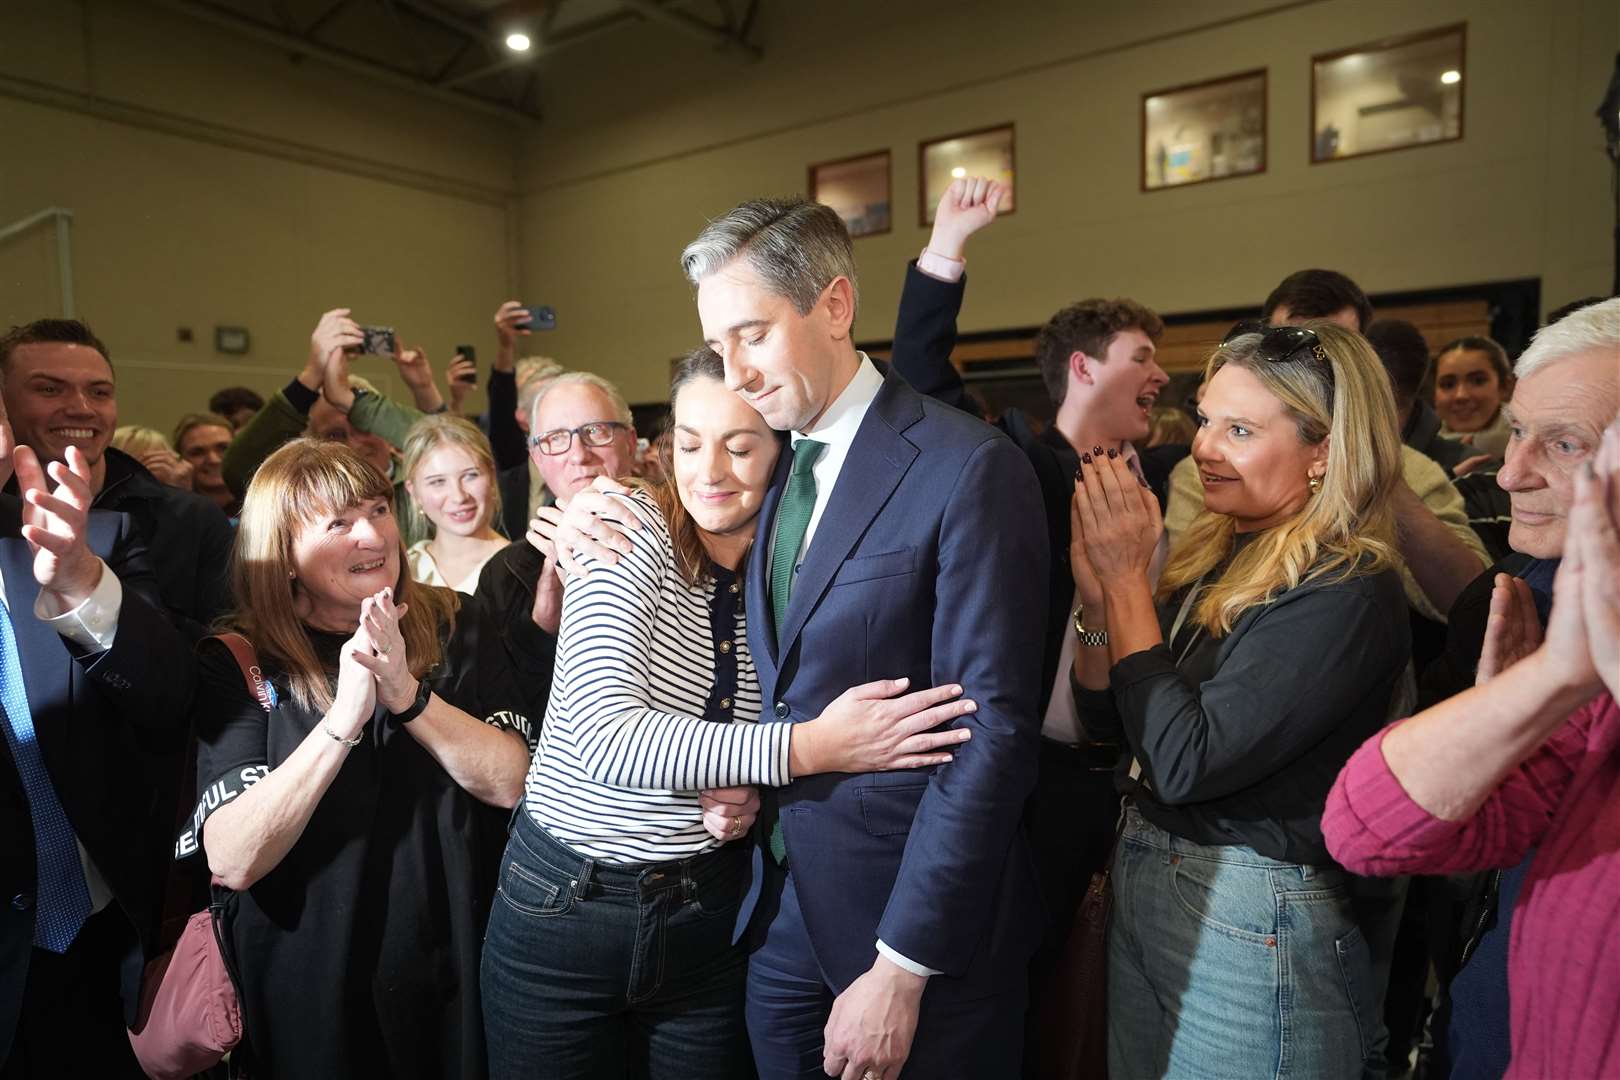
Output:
x=503 y=746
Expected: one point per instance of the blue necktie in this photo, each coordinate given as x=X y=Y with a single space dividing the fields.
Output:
x=63 y=898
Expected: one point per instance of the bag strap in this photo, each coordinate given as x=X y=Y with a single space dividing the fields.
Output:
x=248 y=660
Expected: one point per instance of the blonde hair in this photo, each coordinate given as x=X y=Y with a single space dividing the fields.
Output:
x=302 y=481
x=442 y=429
x=1347 y=528
x=137 y=441
x=196 y=420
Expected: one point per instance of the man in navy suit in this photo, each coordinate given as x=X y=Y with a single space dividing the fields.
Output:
x=94 y=687
x=892 y=915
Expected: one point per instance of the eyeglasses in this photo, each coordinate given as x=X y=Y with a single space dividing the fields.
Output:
x=556 y=442
x=1283 y=344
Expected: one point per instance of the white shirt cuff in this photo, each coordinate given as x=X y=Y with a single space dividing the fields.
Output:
x=904 y=962
x=938 y=266
x=94 y=623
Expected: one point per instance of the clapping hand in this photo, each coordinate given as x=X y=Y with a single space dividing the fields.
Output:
x=55 y=524
x=1119 y=516
x=1594 y=527
x=389 y=662
x=169 y=468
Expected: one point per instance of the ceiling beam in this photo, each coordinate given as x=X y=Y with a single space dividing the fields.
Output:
x=680 y=20
x=378 y=72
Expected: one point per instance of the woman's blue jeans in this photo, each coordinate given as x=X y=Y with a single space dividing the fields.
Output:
x=1226 y=965
x=597 y=970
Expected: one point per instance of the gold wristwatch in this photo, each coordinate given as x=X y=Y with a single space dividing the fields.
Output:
x=1095 y=639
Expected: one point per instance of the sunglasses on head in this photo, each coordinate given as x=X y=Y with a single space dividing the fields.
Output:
x=1283 y=344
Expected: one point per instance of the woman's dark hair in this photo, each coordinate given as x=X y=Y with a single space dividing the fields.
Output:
x=1497 y=355
x=691 y=557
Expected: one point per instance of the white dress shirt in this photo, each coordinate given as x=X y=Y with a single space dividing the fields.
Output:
x=91 y=625
x=836 y=431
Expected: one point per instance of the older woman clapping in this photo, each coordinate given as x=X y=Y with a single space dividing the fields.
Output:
x=356 y=816
x=1274 y=646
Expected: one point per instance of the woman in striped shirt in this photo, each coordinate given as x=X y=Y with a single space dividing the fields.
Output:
x=609 y=949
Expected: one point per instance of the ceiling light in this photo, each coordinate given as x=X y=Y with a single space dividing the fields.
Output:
x=958 y=172
x=1451 y=78
x=517 y=42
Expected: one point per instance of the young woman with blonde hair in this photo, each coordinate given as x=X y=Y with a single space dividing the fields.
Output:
x=355 y=813
x=450 y=474
x=1274 y=646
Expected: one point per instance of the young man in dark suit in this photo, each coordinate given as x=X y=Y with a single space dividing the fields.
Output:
x=94 y=688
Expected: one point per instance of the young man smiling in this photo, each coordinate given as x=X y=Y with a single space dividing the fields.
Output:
x=1098 y=361
x=61 y=392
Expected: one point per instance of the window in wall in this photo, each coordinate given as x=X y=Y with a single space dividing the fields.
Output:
x=858 y=189
x=1205 y=131
x=987 y=152
x=1389 y=95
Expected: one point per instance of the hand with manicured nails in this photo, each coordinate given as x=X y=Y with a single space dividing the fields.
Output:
x=593 y=525
x=1119 y=516
x=55 y=524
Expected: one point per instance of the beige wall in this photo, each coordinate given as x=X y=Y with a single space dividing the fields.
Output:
x=628 y=165
x=215 y=182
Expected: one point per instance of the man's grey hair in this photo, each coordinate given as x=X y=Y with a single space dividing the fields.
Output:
x=621 y=410
x=1591 y=328
x=796 y=247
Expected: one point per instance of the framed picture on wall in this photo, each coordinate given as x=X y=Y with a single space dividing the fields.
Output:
x=1210 y=130
x=1389 y=95
x=985 y=152
x=859 y=188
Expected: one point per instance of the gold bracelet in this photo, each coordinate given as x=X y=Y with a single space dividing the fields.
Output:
x=335 y=737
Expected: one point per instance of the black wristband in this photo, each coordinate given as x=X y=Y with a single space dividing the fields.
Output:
x=414 y=709
x=300 y=397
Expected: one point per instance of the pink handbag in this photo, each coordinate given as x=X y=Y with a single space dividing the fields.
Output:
x=189 y=1016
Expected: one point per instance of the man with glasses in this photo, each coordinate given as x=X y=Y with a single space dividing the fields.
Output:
x=579 y=428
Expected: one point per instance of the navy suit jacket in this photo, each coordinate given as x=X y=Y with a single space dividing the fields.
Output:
x=112 y=730
x=929 y=562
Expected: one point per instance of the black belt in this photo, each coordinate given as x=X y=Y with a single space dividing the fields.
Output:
x=1092 y=756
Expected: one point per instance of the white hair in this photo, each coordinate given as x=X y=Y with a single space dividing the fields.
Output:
x=1589 y=329
x=621 y=409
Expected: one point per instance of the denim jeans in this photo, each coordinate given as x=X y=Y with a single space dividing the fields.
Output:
x=1226 y=965
x=595 y=970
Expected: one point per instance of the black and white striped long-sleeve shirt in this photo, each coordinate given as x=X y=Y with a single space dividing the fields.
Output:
x=654 y=698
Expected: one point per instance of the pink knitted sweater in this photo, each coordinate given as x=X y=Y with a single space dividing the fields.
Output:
x=1564 y=953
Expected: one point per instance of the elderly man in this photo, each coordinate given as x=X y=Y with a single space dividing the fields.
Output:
x=580 y=428
x=1568 y=389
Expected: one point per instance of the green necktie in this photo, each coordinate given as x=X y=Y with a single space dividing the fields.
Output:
x=792 y=519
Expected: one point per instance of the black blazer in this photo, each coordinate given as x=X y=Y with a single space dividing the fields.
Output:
x=924 y=335
x=112 y=730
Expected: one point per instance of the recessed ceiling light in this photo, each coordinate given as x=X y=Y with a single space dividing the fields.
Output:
x=1451 y=77
x=958 y=172
x=517 y=42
